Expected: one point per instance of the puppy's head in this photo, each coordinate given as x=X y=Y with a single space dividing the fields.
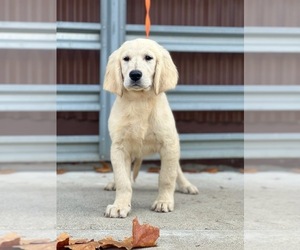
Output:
x=140 y=65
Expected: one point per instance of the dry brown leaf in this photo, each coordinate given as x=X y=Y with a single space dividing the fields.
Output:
x=248 y=170
x=62 y=241
x=109 y=242
x=7 y=171
x=39 y=241
x=61 y=171
x=186 y=170
x=39 y=246
x=153 y=170
x=105 y=168
x=92 y=245
x=211 y=170
x=144 y=235
x=9 y=240
x=79 y=241
x=296 y=170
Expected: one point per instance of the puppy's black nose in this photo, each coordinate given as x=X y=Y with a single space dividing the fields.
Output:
x=135 y=75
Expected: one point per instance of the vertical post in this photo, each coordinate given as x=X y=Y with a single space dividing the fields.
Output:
x=113 y=29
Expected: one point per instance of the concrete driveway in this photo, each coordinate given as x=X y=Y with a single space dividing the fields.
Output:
x=232 y=211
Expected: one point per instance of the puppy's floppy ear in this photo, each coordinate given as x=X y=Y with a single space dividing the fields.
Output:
x=113 y=81
x=166 y=74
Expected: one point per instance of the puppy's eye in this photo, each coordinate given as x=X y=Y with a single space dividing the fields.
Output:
x=126 y=58
x=148 y=58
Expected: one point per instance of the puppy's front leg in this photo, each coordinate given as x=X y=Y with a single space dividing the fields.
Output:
x=121 y=167
x=167 y=181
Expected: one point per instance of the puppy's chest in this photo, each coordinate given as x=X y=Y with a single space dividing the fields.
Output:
x=137 y=132
x=138 y=135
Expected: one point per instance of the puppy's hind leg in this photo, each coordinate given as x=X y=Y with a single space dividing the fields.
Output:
x=184 y=186
x=136 y=167
x=111 y=186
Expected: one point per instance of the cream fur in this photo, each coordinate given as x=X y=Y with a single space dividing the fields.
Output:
x=141 y=123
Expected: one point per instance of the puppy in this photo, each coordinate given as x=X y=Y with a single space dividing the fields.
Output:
x=141 y=123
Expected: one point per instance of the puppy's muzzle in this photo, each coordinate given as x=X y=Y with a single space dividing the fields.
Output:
x=135 y=75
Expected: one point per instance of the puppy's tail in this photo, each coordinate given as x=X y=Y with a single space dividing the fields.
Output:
x=136 y=167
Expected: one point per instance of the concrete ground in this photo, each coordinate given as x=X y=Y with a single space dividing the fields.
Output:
x=232 y=211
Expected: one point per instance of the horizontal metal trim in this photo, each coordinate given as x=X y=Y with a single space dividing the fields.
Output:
x=77 y=139
x=272 y=97
x=272 y=137
x=74 y=35
x=71 y=35
x=211 y=146
x=77 y=148
x=23 y=88
x=28 y=149
x=211 y=137
x=235 y=98
x=49 y=97
x=78 y=26
x=27 y=35
x=78 y=88
x=222 y=39
x=24 y=26
x=272 y=145
x=185 y=30
x=195 y=97
x=192 y=38
x=78 y=98
x=193 y=146
x=48 y=139
x=183 y=98
x=272 y=39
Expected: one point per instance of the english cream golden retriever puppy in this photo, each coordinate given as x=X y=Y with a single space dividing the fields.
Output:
x=141 y=123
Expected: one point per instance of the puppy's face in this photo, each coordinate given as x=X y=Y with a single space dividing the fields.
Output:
x=138 y=67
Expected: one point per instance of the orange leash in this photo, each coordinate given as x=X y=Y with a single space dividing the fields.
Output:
x=147 y=19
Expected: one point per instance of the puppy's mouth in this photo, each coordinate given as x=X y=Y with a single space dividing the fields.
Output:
x=137 y=86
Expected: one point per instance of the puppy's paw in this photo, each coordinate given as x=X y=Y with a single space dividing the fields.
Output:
x=163 y=206
x=110 y=186
x=189 y=189
x=117 y=211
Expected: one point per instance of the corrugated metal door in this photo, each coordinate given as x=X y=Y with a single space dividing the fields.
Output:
x=206 y=40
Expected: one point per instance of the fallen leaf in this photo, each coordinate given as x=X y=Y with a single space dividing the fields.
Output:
x=59 y=244
x=39 y=241
x=185 y=170
x=105 y=168
x=9 y=240
x=211 y=170
x=153 y=170
x=111 y=242
x=92 y=245
x=7 y=171
x=248 y=170
x=296 y=170
x=144 y=235
x=79 y=241
x=62 y=241
x=61 y=171
x=39 y=246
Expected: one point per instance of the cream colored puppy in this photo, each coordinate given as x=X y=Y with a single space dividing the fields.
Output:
x=141 y=123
